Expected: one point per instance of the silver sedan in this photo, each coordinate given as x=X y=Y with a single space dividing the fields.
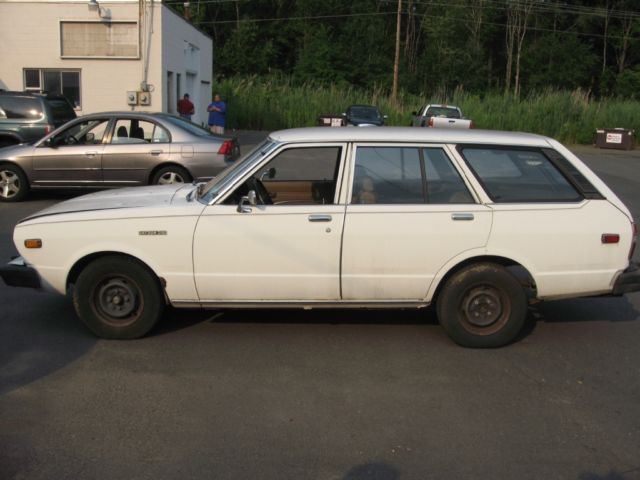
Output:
x=115 y=149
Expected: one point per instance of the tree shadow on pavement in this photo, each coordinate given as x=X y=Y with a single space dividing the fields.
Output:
x=372 y=471
x=38 y=336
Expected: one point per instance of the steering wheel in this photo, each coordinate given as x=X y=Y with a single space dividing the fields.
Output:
x=261 y=192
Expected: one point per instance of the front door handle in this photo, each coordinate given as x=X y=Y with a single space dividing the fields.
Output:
x=156 y=152
x=462 y=217
x=319 y=218
x=91 y=154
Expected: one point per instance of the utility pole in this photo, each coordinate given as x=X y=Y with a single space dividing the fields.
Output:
x=396 y=63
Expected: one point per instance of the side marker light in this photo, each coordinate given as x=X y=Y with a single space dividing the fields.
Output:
x=33 y=243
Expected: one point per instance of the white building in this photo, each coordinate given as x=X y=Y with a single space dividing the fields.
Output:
x=105 y=55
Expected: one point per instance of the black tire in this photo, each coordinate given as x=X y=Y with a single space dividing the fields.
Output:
x=482 y=306
x=13 y=183
x=171 y=174
x=118 y=298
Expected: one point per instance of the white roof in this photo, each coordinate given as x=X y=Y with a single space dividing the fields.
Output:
x=408 y=134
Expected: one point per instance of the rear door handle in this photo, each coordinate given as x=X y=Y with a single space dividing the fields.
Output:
x=319 y=218
x=462 y=217
x=156 y=152
x=91 y=154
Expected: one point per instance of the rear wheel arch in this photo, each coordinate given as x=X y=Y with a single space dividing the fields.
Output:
x=523 y=275
x=168 y=165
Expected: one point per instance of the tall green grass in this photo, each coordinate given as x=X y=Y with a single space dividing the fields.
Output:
x=275 y=103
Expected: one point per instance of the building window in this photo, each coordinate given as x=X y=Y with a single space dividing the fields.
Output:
x=99 y=39
x=64 y=82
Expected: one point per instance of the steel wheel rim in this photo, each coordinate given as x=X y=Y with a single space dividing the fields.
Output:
x=9 y=184
x=169 y=178
x=118 y=301
x=484 y=309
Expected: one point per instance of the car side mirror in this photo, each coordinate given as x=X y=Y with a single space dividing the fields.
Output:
x=249 y=199
x=90 y=138
x=271 y=173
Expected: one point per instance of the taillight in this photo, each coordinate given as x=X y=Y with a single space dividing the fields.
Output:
x=634 y=232
x=472 y=125
x=226 y=148
x=430 y=124
x=48 y=129
x=610 y=238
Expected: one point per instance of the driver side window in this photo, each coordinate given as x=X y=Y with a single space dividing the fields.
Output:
x=89 y=132
x=295 y=176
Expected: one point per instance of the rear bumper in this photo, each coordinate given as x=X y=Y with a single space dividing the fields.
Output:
x=628 y=281
x=17 y=273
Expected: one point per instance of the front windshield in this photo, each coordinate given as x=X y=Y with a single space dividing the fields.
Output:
x=365 y=112
x=443 y=112
x=213 y=187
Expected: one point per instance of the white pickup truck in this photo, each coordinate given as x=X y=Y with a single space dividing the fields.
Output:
x=440 y=116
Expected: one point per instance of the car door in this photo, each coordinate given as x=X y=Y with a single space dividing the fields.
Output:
x=286 y=247
x=73 y=157
x=411 y=212
x=135 y=146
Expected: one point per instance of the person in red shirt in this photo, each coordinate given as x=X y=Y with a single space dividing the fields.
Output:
x=185 y=107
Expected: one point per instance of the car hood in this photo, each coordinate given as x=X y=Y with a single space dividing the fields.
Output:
x=14 y=151
x=366 y=122
x=133 y=197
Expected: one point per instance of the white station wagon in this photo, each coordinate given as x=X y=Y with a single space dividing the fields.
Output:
x=477 y=223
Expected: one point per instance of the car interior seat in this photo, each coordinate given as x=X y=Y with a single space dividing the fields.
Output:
x=366 y=194
x=137 y=132
x=122 y=132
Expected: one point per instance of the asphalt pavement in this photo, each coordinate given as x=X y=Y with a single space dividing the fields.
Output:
x=335 y=394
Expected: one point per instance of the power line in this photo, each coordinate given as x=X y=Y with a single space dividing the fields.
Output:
x=368 y=14
x=307 y=17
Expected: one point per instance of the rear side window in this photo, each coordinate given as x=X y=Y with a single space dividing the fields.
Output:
x=21 y=107
x=407 y=175
x=519 y=175
x=387 y=175
x=444 y=184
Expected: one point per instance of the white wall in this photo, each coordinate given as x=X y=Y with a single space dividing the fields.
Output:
x=30 y=38
x=177 y=39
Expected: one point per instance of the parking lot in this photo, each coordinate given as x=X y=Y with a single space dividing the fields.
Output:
x=333 y=394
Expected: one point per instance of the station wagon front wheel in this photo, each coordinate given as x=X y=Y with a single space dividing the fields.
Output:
x=118 y=298
x=482 y=306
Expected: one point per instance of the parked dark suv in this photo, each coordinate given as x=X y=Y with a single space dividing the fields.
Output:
x=27 y=117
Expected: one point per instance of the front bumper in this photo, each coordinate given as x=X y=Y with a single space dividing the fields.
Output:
x=628 y=281
x=17 y=273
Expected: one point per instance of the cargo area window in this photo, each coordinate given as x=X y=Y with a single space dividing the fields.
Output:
x=513 y=175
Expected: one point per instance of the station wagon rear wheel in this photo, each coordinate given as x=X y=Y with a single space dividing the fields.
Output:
x=482 y=306
x=118 y=298
x=13 y=183
x=171 y=174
